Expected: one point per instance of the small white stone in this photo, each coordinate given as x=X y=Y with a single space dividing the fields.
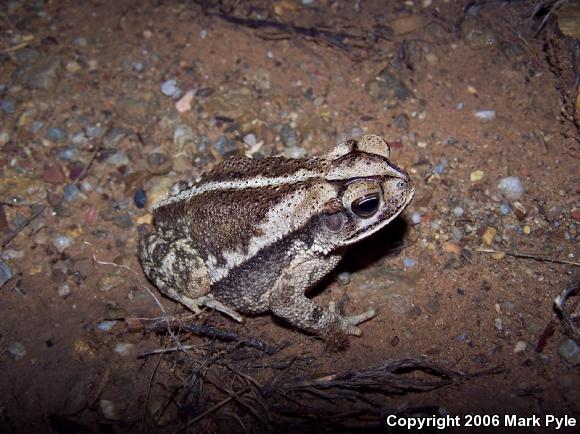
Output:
x=511 y=188
x=416 y=218
x=485 y=115
x=520 y=346
x=124 y=349
x=63 y=290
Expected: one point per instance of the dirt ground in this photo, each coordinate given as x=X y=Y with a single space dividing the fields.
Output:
x=105 y=106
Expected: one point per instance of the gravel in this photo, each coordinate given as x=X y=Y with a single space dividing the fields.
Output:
x=511 y=188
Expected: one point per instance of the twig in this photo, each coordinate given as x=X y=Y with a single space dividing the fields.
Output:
x=534 y=256
x=212 y=409
x=166 y=350
x=211 y=332
x=90 y=163
x=546 y=333
x=14 y=47
x=571 y=328
x=144 y=417
x=21 y=226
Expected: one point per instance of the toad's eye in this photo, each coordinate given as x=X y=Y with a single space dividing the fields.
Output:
x=366 y=206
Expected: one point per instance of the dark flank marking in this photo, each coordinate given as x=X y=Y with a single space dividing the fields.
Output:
x=224 y=219
x=256 y=276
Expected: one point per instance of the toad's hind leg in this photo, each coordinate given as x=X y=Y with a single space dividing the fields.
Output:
x=176 y=268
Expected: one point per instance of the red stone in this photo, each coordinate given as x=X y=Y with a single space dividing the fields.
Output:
x=53 y=174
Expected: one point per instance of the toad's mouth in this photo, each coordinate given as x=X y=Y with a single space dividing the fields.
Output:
x=381 y=223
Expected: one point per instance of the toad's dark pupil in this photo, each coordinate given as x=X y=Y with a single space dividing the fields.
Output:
x=366 y=206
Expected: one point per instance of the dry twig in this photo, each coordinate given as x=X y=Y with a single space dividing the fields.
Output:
x=534 y=256
x=212 y=332
x=567 y=315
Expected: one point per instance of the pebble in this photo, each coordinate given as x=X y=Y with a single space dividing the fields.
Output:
x=476 y=175
x=63 y=290
x=519 y=210
x=439 y=169
x=158 y=163
x=204 y=92
x=184 y=135
x=70 y=193
x=109 y=409
x=407 y=24
x=10 y=254
x=409 y=263
x=80 y=41
x=5 y=273
x=114 y=136
x=294 y=152
x=106 y=326
x=67 y=154
x=498 y=323
x=36 y=126
x=43 y=74
x=520 y=346
x=250 y=140
x=488 y=236
x=416 y=218
x=485 y=115
x=452 y=248
x=61 y=242
x=8 y=105
x=16 y=350
x=225 y=146
x=181 y=163
x=170 y=88
x=53 y=174
x=4 y=137
x=288 y=135
x=343 y=278
x=460 y=106
x=124 y=349
x=140 y=198
x=433 y=307
x=73 y=67
x=458 y=211
x=123 y=220
x=95 y=132
x=511 y=187
x=184 y=103
x=570 y=351
x=505 y=209
x=387 y=86
x=138 y=66
x=477 y=34
x=117 y=159
x=110 y=281
x=402 y=121
x=456 y=233
x=415 y=312
x=56 y=134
